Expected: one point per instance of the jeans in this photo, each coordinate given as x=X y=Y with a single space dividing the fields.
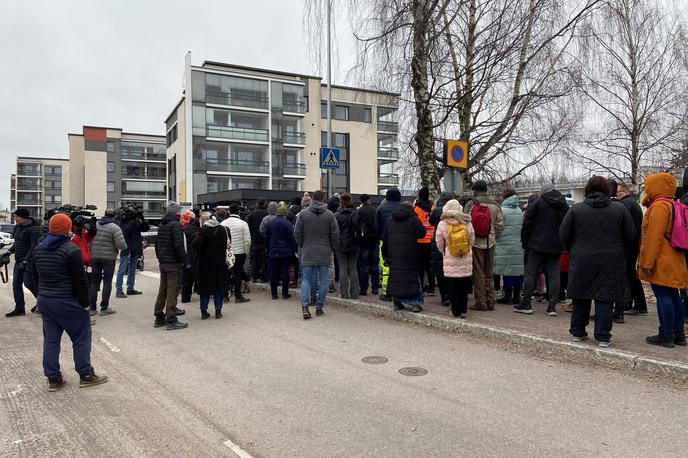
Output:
x=170 y=276
x=18 y=285
x=217 y=300
x=60 y=315
x=348 y=271
x=127 y=264
x=369 y=267
x=670 y=310
x=314 y=277
x=538 y=262
x=279 y=272
x=581 y=317
x=103 y=270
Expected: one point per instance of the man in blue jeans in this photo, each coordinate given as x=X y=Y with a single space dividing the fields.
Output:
x=317 y=233
x=108 y=242
x=27 y=233
x=133 y=223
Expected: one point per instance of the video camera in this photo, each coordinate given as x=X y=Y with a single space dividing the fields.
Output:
x=128 y=213
x=76 y=213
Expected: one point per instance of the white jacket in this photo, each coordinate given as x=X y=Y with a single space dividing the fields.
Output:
x=241 y=235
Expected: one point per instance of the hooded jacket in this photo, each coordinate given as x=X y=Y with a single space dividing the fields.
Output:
x=254 y=219
x=109 y=240
x=59 y=270
x=280 y=238
x=541 y=223
x=317 y=233
x=169 y=248
x=26 y=237
x=400 y=251
x=344 y=217
x=509 y=252
x=436 y=258
x=658 y=262
x=384 y=211
x=455 y=266
x=272 y=213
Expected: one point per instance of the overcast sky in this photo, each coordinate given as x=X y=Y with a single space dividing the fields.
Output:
x=74 y=62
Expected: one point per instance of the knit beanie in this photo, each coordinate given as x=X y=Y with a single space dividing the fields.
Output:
x=424 y=193
x=60 y=224
x=282 y=211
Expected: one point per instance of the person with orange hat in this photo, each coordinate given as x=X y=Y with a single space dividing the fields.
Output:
x=63 y=301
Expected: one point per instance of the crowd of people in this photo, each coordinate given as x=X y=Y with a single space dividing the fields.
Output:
x=512 y=252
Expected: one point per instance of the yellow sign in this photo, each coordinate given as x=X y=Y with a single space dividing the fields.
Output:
x=456 y=154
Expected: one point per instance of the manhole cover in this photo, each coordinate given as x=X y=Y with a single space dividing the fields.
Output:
x=374 y=360
x=412 y=371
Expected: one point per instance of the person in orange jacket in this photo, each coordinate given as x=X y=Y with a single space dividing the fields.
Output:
x=423 y=209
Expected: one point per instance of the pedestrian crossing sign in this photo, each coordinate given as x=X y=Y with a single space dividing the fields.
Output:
x=456 y=154
x=329 y=158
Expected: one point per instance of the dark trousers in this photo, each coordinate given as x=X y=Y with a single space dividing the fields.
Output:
x=279 y=272
x=563 y=285
x=348 y=273
x=424 y=266
x=18 y=285
x=637 y=291
x=458 y=293
x=259 y=268
x=443 y=287
x=369 y=267
x=580 y=318
x=170 y=277
x=238 y=273
x=103 y=271
x=65 y=315
x=536 y=263
x=188 y=278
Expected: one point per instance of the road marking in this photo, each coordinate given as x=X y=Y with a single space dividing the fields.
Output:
x=11 y=394
x=240 y=452
x=149 y=274
x=109 y=345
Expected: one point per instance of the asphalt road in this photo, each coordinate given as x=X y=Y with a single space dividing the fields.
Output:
x=265 y=381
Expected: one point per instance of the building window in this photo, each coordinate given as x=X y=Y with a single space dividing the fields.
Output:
x=48 y=170
x=110 y=186
x=57 y=170
x=110 y=146
x=172 y=135
x=57 y=184
x=367 y=115
x=57 y=199
x=110 y=167
x=341 y=112
x=111 y=204
x=48 y=184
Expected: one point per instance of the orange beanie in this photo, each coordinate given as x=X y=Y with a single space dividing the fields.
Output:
x=60 y=224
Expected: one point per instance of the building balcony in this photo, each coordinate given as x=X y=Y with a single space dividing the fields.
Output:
x=33 y=187
x=144 y=195
x=28 y=173
x=236 y=166
x=141 y=176
x=29 y=203
x=238 y=133
x=297 y=138
x=260 y=102
x=294 y=106
x=387 y=153
x=139 y=156
x=389 y=178
x=388 y=126
x=293 y=169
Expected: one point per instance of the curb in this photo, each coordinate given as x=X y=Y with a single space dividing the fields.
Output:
x=615 y=359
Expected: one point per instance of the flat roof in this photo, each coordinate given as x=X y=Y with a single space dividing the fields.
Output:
x=36 y=158
x=256 y=69
x=360 y=89
x=161 y=136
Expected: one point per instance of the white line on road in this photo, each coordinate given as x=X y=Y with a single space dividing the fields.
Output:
x=149 y=274
x=109 y=345
x=240 y=452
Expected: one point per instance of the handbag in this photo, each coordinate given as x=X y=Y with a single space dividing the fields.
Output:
x=230 y=259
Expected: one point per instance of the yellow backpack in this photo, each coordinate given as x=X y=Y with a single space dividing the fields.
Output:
x=458 y=239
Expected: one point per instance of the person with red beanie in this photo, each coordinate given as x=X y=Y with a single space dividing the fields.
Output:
x=63 y=301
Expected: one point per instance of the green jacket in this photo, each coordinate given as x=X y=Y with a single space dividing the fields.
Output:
x=509 y=252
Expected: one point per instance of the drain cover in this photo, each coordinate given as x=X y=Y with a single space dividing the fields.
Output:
x=412 y=371
x=374 y=360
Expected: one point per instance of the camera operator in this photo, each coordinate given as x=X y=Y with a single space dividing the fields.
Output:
x=84 y=230
x=132 y=223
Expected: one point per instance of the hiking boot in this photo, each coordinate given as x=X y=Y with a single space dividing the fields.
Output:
x=579 y=338
x=680 y=341
x=218 y=314
x=133 y=292
x=636 y=312
x=398 y=306
x=319 y=312
x=106 y=312
x=416 y=309
x=603 y=343
x=178 y=311
x=241 y=299
x=56 y=384
x=176 y=324
x=91 y=380
x=15 y=312
x=661 y=340
x=204 y=315
x=306 y=313
x=159 y=321
x=507 y=298
x=523 y=308
x=120 y=295
x=551 y=310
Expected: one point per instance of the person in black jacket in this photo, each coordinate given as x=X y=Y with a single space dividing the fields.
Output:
x=347 y=250
x=259 y=268
x=213 y=277
x=190 y=226
x=369 y=247
x=63 y=301
x=400 y=252
x=133 y=224
x=27 y=233
x=638 y=304
x=171 y=254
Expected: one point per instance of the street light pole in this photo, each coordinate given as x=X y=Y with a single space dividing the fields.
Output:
x=330 y=186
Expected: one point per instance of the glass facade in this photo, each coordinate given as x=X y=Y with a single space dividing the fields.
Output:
x=229 y=90
x=141 y=151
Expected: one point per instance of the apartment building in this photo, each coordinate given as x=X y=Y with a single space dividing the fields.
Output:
x=39 y=184
x=246 y=128
x=110 y=168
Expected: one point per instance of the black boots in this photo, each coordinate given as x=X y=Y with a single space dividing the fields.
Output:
x=516 y=295
x=661 y=340
x=507 y=298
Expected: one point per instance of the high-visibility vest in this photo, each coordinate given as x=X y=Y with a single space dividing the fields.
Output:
x=424 y=218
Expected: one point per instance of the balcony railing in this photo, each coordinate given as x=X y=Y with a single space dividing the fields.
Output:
x=298 y=138
x=237 y=100
x=293 y=169
x=387 y=152
x=29 y=202
x=389 y=178
x=388 y=126
x=139 y=156
x=294 y=106
x=238 y=166
x=28 y=173
x=144 y=194
x=238 y=133
x=29 y=187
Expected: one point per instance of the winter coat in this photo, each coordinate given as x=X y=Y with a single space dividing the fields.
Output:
x=109 y=240
x=365 y=214
x=384 y=211
x=294 y=210
x=190 y=233
x=637 y=216
x=508 y=260
x=454 y=266
x=317 y=232
x=497 y=225
x=279 y=238
x=254 y=219
x=212 y=273
x=132 y=236
x=83 y=241
x=423 y=209
x=658 y=262
x=541 y=223
x=346 y=242
x=596 y=232
x=26 y=237
x=169 y=248
x=400 y=252
x=272 y=213
x=436 y=258
x=241 y=235
x=59 y=269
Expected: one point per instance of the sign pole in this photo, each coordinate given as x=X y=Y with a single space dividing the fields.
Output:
x=329 y=93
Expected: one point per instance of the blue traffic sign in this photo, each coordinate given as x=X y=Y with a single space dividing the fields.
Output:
x=329 y=158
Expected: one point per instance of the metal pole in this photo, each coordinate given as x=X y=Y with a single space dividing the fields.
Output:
x=330 y=186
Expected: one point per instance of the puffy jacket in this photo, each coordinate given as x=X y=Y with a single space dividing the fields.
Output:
x=541 y=223
x=59 y=269
x=365 y=214
x=436 y=258
x=132 y=236
x=454 y=266
x=317 y=232
x=241 y=235
x=280 y=238
x=658 y=262
x=109 y=240
x=169 y=247
x=26 y=237
x=508 y=258
x=497 y=218
x=346 y=242
x=384 y=211
x=190 y=233
x=400 y=251
x=254 y=219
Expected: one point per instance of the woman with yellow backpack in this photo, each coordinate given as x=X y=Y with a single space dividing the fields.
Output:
x=455 y=238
